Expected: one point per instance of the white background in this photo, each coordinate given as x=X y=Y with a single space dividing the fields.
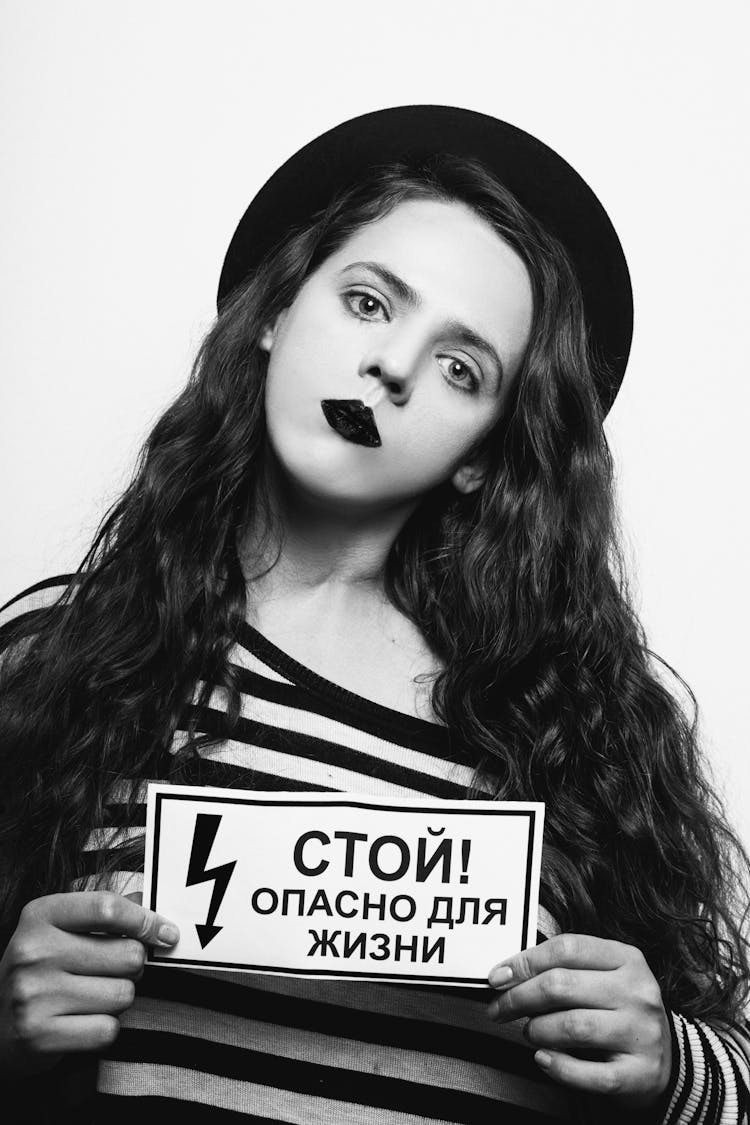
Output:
x=133 y=135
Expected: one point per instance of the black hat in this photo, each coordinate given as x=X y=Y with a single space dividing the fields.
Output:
x=542 y=181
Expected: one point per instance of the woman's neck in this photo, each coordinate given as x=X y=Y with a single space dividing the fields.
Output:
x=315 y=581
x=300 y=544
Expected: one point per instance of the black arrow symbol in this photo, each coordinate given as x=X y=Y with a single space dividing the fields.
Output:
x=206 y=827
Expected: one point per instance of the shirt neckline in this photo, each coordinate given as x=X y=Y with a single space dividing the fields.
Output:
x=258 y=644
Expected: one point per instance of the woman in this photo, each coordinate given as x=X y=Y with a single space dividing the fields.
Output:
x=370 y=548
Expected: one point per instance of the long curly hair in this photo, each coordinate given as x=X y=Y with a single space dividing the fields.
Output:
x=548 y=686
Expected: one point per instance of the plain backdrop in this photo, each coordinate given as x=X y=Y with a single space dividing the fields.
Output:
x=133 y=135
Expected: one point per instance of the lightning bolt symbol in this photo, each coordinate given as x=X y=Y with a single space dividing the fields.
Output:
x=206 y=827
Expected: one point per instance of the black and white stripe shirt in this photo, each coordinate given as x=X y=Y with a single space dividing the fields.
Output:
x=206 y=1046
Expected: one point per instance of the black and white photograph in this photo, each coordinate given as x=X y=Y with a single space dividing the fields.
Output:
x=373 y=601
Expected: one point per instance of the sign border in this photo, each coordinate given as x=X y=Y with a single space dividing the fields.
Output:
x=334 y=801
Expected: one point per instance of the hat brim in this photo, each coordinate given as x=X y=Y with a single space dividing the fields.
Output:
x=545 y=184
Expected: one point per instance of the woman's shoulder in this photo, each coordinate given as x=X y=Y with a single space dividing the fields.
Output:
x=20 y=615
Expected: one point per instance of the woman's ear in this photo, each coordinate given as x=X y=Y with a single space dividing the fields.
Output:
x=469 y=476
x=268 y=335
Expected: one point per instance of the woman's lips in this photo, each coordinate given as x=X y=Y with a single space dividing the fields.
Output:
x=352 y=419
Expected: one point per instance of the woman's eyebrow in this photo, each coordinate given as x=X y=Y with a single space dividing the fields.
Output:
x=409 y=296
x=402 y=290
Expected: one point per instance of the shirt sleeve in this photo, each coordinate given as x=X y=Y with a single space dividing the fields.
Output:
x=710 y=1080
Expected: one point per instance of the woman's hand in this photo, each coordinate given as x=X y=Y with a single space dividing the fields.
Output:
x=67 y=973
x=587 y=994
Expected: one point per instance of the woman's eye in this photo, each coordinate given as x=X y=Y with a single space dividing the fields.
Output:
x=459 y=374
x=364 y=305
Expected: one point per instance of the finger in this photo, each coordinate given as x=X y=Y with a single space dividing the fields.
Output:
x=569 y=951
x=107 y=912
x=101 y=955
x=136 y=897
x=557 y=989
x=78 y=1033
x=581 y=1028
x=582 y=1074
x=95 y=996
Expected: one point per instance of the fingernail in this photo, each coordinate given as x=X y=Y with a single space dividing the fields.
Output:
x=167 y=934
x=493 y=1010
x=500 y=975
x=541 y=1058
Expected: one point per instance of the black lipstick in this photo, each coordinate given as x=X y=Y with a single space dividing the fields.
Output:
x=352 y=419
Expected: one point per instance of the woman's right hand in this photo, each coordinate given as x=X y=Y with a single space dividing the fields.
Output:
x=69 y=970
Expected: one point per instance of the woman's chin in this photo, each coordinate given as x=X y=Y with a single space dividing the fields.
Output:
x=332 y=473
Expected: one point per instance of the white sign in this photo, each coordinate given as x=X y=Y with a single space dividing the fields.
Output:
x=328 y=885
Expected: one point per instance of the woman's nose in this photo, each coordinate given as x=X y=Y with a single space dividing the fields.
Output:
x=394 y=363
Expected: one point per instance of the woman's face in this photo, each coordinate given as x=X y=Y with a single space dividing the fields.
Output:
x=423 y=314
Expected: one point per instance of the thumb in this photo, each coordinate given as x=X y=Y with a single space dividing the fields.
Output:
x=153 y=929
x=154 y=922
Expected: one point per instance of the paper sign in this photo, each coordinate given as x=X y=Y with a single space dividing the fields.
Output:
x=328 y=885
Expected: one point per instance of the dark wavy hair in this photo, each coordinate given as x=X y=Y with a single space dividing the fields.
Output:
x=548 y=686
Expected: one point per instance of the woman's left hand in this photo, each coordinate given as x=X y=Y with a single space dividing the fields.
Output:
x=587 y=994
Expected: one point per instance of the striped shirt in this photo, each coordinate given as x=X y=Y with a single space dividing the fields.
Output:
x=199 y=1045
